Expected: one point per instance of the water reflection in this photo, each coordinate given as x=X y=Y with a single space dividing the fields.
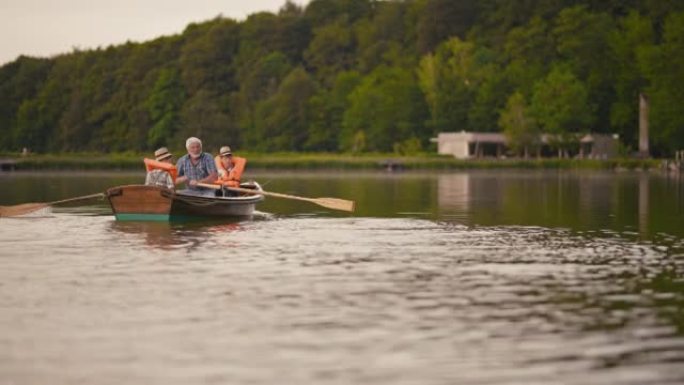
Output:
x=173 y=235
x=644 y=190
x=454 y=193
x=644 y=203
x=55 y=185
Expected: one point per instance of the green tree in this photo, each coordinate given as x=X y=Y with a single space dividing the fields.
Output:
x=468 y=56
x=37 y=119
x=663 y=69
x=258 y=81
x=118 y=117
x=517 y=123
x=206 y=58
x=529 y=51
x=31 y=129
x=95 y=97
x=560 y=105
x=261 y=79
x=449 y=79
x=633 y=36
x=501 y=16
x=581 y=36
x=385 y=109
x=444 y=19
x=327 y=111
x=164 y=104
x=492 y=88
x=74 y=128
x=289 y=32
x=331 y=51
x=20 y=80
x=325 y=12
x=202 y=116
x=658 y=10
x=381 y=38
x=281 y=121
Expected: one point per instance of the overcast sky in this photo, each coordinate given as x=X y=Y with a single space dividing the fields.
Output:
x=48 y=27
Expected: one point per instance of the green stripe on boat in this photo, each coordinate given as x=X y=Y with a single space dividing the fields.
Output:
x=142 y=217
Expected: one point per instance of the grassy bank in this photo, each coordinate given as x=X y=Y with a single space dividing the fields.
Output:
x=296 y=161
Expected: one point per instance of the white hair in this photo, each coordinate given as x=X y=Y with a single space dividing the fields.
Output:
x=192 y=140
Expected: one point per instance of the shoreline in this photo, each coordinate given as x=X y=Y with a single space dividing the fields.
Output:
x=295 y=161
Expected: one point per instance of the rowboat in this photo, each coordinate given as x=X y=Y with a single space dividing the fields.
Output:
x=155 y=203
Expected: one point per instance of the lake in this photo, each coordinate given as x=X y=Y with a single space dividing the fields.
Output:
x=481 y=277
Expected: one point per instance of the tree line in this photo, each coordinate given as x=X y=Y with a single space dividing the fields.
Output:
x=362 y=76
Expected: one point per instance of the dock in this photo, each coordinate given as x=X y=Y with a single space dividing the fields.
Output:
x=391 y=165
x=8 y=164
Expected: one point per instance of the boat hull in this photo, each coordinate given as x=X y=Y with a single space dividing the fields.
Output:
x=153 y=203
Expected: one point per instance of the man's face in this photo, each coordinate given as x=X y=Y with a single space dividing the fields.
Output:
x=194 y=149
x=227 y=160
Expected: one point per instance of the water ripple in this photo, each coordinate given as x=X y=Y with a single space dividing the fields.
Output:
x=335 y=300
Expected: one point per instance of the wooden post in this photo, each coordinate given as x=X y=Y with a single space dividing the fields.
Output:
x=643 y=126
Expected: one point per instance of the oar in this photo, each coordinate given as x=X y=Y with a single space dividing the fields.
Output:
x=331 y=203
x=27 y=208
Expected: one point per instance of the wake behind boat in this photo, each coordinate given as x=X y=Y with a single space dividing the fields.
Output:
x=155 y=203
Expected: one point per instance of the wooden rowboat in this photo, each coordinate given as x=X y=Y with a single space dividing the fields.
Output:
x=154 y=203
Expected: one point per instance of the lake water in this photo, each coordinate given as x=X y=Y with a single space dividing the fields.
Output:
x=487 y=277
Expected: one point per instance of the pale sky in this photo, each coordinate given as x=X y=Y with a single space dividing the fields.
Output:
x=47 y=27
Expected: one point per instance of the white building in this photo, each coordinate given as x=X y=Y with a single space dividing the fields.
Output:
x=468 y=145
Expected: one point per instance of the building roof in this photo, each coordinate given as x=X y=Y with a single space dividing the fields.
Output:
x=474 y=137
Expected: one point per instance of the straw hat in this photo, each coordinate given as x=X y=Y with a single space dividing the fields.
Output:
x=225 y=150
x=162 y=153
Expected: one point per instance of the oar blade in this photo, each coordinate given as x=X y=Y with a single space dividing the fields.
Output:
x=22 y=209
x=335 y=204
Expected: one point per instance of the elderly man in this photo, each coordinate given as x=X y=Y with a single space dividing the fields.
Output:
x=196 y=167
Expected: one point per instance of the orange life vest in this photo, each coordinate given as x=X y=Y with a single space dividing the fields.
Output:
x=230 y=178
x=151 y=164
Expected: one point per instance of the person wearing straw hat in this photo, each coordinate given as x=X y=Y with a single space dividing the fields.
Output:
x=230 y=168
x=196 y=167
x=158 y=174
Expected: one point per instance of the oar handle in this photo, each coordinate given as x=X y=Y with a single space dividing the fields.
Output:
x=27 y=208
x=81 y=198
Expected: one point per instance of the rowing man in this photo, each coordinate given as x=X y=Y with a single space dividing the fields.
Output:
x=196 y=167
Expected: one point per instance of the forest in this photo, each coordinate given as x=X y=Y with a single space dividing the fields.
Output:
x=360 y=76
